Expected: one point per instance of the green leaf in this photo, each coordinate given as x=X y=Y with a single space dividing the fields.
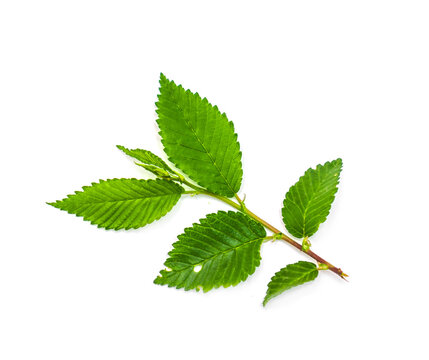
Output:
x=146 y=157
x=221 y=250
x=290 y=276
x=308 y=202
x=122 y=203
x=155 y=170
x=199 y=139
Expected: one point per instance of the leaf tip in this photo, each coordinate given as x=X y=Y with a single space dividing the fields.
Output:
x=55 y=204
x=162 y=78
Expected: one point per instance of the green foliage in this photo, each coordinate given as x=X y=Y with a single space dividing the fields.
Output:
x=290 y=276
x=148 y=160
x=156 y=171
x=308 y=202
x=122 y=203
x=199 y=139
x=222 y=250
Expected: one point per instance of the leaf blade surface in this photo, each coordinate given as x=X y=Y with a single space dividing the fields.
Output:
x=146 y=157
x=290 y=276
x=223 y=249
x=122 y=203
x=308 y=202
x=199 y=139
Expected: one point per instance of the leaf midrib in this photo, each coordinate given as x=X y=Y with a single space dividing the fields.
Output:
x=216 y=255
x=299 y=280
x=124 y=200
x=208 y=153
x=293 y=282
x=308 y=205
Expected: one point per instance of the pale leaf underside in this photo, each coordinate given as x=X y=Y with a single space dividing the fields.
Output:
x=147 y=158
x=221 y=250
x=199 y=139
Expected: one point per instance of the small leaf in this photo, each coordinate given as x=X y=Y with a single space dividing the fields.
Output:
x=308 y=202
x=155 y=170
x=122 y=203
x=290 y=276
x=146 y=157
x=199 y=139
x=222 y=250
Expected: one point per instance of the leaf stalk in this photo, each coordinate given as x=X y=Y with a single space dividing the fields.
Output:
x=277 y=234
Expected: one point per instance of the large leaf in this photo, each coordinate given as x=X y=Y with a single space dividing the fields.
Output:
x=308 y=202
x=147 y=158
x=199 y=139
x=290 y=276
x=222 y=250
x=122 y=203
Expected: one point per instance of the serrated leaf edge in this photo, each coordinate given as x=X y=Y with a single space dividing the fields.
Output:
x=230 y=124
x=201 y=223
x=55 y=204
x=278 y=273
x=301 y=178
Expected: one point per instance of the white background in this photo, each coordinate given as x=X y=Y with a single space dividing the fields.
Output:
x=304 y=82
